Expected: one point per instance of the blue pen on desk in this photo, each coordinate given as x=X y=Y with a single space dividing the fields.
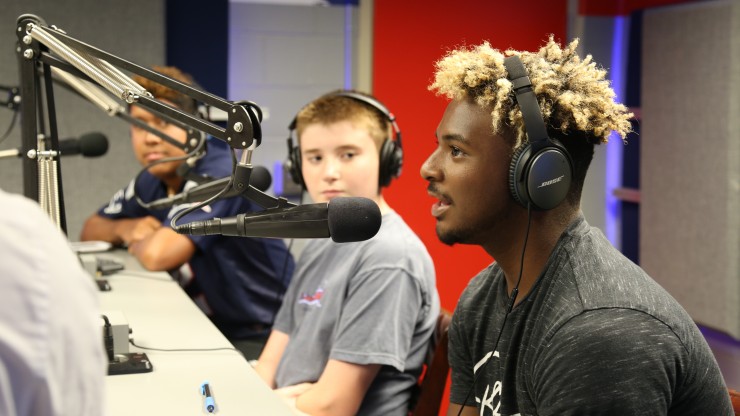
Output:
x=205 y=390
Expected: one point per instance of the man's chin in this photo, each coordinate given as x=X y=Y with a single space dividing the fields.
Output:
x=447 y=237
x=458 y=235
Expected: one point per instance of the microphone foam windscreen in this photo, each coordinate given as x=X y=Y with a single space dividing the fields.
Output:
x=93 y=144
x=353 y=219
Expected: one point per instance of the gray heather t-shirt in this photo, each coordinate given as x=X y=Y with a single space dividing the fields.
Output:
x=371 y=302
x=595 y=336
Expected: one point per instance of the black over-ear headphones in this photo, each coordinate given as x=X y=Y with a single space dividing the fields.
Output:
x=541 y=170
x=391 y=152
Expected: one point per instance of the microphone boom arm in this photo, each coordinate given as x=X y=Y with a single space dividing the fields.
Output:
x=41 y=46
x=81 y=85
x=241 y=184
x=240 y=130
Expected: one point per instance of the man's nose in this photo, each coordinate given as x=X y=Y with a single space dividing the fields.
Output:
x=429 y=169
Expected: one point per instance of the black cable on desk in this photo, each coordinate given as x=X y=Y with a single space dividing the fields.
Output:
x=184 y=349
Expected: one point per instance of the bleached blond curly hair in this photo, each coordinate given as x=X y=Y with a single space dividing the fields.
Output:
x=573 y=93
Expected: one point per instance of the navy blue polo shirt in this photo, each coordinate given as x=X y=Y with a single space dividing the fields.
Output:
x=238 y=282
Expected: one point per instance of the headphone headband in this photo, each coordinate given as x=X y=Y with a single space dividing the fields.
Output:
x=370 y=101
x=391 y=151
x=527 y=100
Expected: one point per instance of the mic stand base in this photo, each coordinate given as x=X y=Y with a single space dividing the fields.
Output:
x=129 y=363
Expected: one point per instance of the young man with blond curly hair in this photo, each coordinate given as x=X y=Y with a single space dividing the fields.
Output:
x=561 y=323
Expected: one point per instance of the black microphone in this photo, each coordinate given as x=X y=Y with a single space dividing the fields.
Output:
x=260 y=178
x=343 y=219
x=88 y=145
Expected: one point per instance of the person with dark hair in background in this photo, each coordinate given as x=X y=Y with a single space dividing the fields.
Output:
x=237 y=281
x=52 y=360
x=353 y=332
x=589 y=332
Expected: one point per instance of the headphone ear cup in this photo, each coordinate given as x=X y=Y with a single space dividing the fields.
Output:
x=515 y=172
x=294 y=165
x=541 y=177
x=391 y=162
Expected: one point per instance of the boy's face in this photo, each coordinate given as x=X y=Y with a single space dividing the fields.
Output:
x=468 y=174
x=149 y=148
x=339 y=159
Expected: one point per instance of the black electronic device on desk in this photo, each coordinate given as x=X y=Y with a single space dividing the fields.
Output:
x=129 y=363
x=122 y=362
x=103 y=285
x=107 y=266
x=95 y=265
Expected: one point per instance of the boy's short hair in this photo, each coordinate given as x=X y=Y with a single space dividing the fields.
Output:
x=333 y=108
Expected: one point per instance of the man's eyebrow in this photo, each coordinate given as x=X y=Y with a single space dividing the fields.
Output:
x=453 y=138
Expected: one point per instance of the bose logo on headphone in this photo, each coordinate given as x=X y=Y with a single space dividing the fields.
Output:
x=551 y=181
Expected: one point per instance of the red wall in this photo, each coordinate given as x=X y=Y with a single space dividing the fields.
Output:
x=409 y=37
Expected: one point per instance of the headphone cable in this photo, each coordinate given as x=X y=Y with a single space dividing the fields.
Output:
x=514 y=294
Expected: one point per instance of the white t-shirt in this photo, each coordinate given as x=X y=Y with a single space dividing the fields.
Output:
x=52 y=360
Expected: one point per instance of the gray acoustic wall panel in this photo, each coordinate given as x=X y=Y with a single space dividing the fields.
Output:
x=283 y=56
x=133 y=30
x=690 y=160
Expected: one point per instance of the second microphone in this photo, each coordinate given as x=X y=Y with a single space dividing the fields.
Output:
x=343 y=219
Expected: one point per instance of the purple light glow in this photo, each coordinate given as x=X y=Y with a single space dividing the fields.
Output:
x=614 y=149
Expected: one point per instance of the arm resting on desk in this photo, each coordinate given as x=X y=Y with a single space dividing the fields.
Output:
x=156 y=247
x=162 y=250
x=117 y=232
x=340 y=389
